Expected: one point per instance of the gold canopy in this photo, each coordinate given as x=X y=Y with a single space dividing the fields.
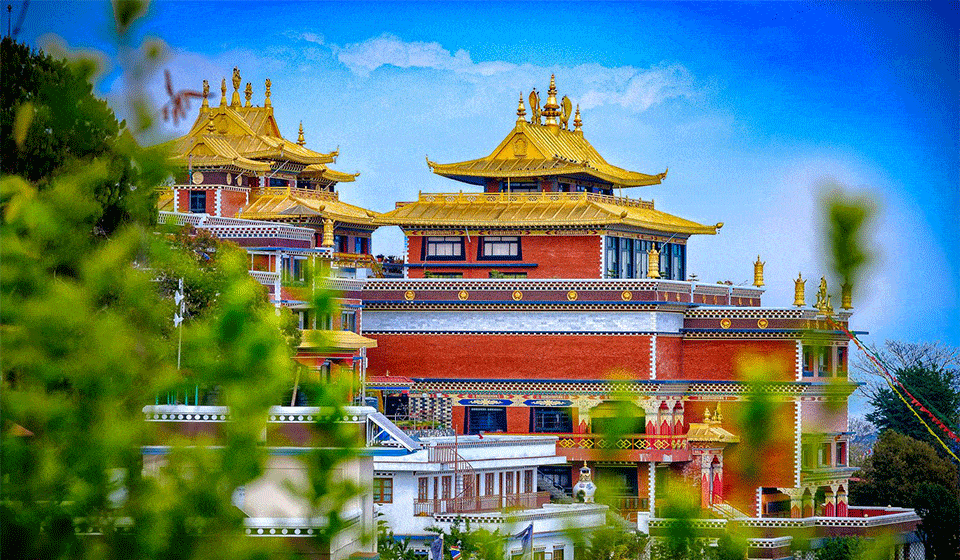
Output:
x=291 y=204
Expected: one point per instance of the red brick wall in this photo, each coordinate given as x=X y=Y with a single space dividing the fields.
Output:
x=479 y=356
x=183 y=200
x=518 y=419
x=730 y=359
x=669 y=354
x=231 y=203
x=573 y=256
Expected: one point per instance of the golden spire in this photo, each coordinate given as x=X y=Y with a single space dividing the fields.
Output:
x=706 y=415
x=758 y=272
x=300 y=140
x=798 y=286
x=235 y=99
x=521 y=111
x=551 y=110
x=248 y=93
x=846 y=296
x=653 y=260
x=266 y=94
x=223 y=92
x=576 y=121
x=206 y=93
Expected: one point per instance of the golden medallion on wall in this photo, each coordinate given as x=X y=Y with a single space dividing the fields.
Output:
x=409 y=295
x=626 y=296
x=197 y=177
x=725 y=323
x=463 y=295
x=762 y=323
x=517 y=296
x=572 y=295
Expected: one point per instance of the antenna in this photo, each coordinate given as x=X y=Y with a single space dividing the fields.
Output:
x=9 y=17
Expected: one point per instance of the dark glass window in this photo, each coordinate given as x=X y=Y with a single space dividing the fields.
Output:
x=613 y=258
x=642 y=256
x=551 y=420
x=443 y=249
x=276 y=182
x=486 y=419
x=560 y=476
x=499 y=247
x=348 y=321
x=383 y=490
x=198 y=202
x=626 y=258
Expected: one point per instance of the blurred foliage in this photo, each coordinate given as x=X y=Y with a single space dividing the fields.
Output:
x=475 y=544
x=51 y=124
x=840 y=548
x=88 y=340
x=847 y=217
x=613 y=542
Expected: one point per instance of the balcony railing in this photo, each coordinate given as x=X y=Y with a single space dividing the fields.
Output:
x=520 y=197
x=476 y=504
x=651 y=442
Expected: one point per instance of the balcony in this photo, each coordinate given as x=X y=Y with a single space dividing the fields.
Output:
x=478 y=504
x=634 y=448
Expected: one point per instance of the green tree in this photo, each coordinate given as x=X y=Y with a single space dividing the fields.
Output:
x=940 y=511
x=841 y=548
x=63 y=127
x=932 y=374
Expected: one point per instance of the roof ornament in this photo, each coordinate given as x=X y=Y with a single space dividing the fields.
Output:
x=846 y=296
x=521 y=111
x=550 y=109
x=534 y=107
x=799 y=284
x=266 y=101
x=758 y=272
x=235 y=100
x=576 y=121
x=206 y=92
x=223 y=92
x=248 y=93
x=300 y=140
x=821 y=303
x=210 y=125
x=567 y=106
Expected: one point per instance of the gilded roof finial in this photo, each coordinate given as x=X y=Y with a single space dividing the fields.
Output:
x=566 y=108
x=576 y=121
x=210 y=126
x=822 y=295
x=798 y=287
x=534 y=107
x=235 y=100
x=248 y=93
x=521 y=111
x=223 y=92
x=266 y=94
x=551 y=110
x=206 y=93
x=717 y=417
x=653 y=260
x=758 y=272
x=706 y=415
x=300 y=140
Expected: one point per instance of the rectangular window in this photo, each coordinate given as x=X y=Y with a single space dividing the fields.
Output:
x=443 y=249
x=841 y=361
x=423 y=486
x=488 y=484
x=348 y=321
x=550 y=420
x=823 y=458
x=486 y=419
x=509 y=489
x=626 y=258
x=499 y=248
x=558 y=554
x=539 y=555
x=198 y=202
x=383 y=490
x=807 y=366
x=841 y=454
x=446 y=487
x=278 y=182
x=823 y=365
x=613 y=260
x=499 y=274
x=528 y=481
x=641 y=258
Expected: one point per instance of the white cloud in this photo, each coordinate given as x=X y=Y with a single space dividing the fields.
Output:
x=389 y=50
x=638 y=89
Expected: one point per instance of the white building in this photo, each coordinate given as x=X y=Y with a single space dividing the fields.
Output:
x=490 y=482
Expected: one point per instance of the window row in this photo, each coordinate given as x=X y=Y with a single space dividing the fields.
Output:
x=451 y=248
x=824 y=361
x=611 y=417
x=630 y=258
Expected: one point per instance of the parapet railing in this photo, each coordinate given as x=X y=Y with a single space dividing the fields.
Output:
x=474 y=504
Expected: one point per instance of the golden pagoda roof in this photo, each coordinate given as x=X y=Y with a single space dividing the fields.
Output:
x=710 y=432
x=291 y=204
x=490 y=210
x=533 y=149
x=247 y=137
x=341 y=340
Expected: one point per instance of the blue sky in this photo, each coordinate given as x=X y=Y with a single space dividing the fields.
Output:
x=755 y=107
